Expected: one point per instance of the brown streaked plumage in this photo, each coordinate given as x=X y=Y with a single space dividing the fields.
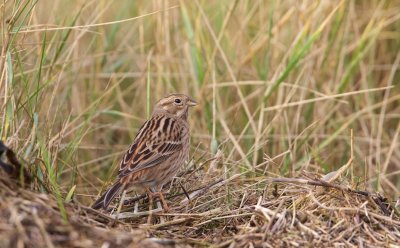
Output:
x=157 y=152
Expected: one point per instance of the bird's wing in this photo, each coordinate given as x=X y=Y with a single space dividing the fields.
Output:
x=156 y=140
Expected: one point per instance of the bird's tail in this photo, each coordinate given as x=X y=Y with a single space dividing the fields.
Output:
x=108 y=196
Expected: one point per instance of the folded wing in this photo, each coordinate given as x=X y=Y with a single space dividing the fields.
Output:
x=155 y=142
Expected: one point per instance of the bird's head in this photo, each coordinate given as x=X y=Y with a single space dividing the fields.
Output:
x=175 y=104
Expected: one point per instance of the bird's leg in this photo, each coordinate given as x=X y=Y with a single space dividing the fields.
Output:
x=137 y=213
x=150 y=206
x=160 y=195
x=164 y=203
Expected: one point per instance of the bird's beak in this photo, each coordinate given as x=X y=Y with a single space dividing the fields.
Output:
x=191 y=102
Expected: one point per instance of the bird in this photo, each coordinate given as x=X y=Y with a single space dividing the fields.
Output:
x=157 y=152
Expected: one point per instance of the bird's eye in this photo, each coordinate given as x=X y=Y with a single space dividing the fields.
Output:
x=177 y=100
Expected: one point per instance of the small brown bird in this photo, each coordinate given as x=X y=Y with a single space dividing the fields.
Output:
x=157 y=152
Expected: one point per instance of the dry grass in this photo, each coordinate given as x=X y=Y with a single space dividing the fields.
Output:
x=32 y=219
x=281 y=84
x=298 y=212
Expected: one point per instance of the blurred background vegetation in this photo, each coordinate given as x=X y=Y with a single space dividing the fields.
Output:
x=280 y=85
